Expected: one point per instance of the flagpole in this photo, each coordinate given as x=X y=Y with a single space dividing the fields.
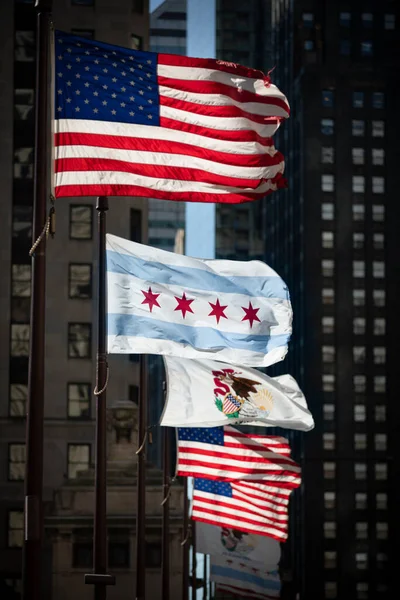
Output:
x=194 y=561
x=141 y=485
x=205 y=577
x=165 y=530
x=185 y=542
x=99 y=578
x=33 y=510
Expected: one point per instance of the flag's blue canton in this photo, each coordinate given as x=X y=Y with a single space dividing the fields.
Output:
x=102 y=82
x=207 y=435
x=222 y=488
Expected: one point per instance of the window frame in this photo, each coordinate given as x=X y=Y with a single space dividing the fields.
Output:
x=10 y=462
x=74 y=264
x=74 y=444
x=89 y=400
x=9 y=529
x=71 y=222
x=90 y=341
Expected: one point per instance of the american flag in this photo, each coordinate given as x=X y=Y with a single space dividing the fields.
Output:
x=226 y=454
x=132 y=123
x=252 y=507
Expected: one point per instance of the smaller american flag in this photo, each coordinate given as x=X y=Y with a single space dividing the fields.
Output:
x=252 y=507
x=226 y=454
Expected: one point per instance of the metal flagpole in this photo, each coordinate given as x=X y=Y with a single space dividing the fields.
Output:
x=194 y=562
x=165 y=530
x=33 y=534
x=185 y=542
x=204 y=576
x=141 y=485
x=99 y=577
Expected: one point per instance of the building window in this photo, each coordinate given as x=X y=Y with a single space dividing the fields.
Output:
x=327 y=155
x=378 y=241
x=15 y=533
x=378 y=100
x=358 y=268
x=378 y=185
x=379 y=326
x=367 y=20
x=381 y=501
x=390 y=22
x=329 y=412
x=328 y=267
x=360 y=439
x=345 y=47
x=330 y=560
x=328 y=444
x=327 y=126
x=19 y=339
x=79 y=340
x=359 y=326
x=361 y=530
x=153 y=554
x=378 y=156
x=23 y=104
x=381 y=560
x=378 y=128
x=82 y=2
x=379 y=297
x=360 y=384
x=18 y=399
x=358 y=212
x=361 y=560
x=358 y=127
x=358 y=240
x=16 y=462
x=22 y=225
x=134 y=394
x=378 y=269
x=88 y=34
x=308 y=45
x=362 y=590
x=328 y=354
x=328 y=296
x=119 y=554
x=328 y=382
x=78 y=400
x=358 y=156
x=136 y=42
x=82 y=553
x=361 y=501
x=328 y=325
x=21 y=281
x=327 y=211
x=380 y=413
x=366 y=48
x=359 y=354
x=330 y=589
x=381 y=531
x=80 y=222
x=78 y=459
x=345 y=19
x=328 y=183
x=358 y=184
x=358 y=99
x=380 y=443
x=378 y=213
x=380 y=384
x=24 y=46
x=327 y=99
x=359 y=413
x=80 y=281
x=379 y=355
x=358 y=297
x=23 y=163
x=308 y=20
x=329 y=529
x=329 y=500
x=328 y=238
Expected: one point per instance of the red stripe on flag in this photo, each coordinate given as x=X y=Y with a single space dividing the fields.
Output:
x=174 y=60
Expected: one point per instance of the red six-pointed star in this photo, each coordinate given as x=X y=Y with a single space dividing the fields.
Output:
x=184 y=304
x=151 y=299
x=217 y=311
x=251 y=314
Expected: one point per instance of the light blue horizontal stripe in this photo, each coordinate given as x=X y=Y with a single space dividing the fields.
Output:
x=203 y=338
x=266 y=584
x=188 y=277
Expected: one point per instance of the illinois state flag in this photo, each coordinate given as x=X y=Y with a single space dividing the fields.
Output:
x=165 y=303
x=132 y=123
x=205 y=393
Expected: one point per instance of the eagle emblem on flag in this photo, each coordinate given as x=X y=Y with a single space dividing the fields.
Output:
x=246 y=398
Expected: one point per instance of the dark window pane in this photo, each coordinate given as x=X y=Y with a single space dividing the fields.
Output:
x=79 y=340
x=24 y=46
x=82 y=554
x=345 y=19
x=327 y=98
x=85 y=33
x=23 y=163
x=20 y=339
x=79 y=400
x=119 y=554
x=134 y=393
x=153 y=554
x=358 y=99
x=308 y=45
x=15 y=535
x=136 y=225
x=80 y=281
x=16 y=462
x=366 y=49
x=82 y=2
x=378 y=100
x=345 y=47
x=80 y=222
x=327 y=126
x=308 y=19
x=23 y=104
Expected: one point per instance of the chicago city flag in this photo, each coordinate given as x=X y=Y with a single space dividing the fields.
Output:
x=206 y=393
x=241 y=580
x=132 y=123
x=165 y=303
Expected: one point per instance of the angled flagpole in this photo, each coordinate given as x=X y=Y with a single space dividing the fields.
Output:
x=33 y=510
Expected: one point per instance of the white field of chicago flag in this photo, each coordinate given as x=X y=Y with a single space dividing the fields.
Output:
x=252 y=550
x=206 y=393
x=165 y=303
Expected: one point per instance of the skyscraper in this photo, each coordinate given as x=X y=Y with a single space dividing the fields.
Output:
x=332 y=236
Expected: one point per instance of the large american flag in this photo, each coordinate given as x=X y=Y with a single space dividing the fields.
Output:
x=227 y=454
x=257 y=508
x=131 y=123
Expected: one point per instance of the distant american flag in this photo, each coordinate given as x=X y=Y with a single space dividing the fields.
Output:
x=252 y=507
x=131 y=123
x=226 y=454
